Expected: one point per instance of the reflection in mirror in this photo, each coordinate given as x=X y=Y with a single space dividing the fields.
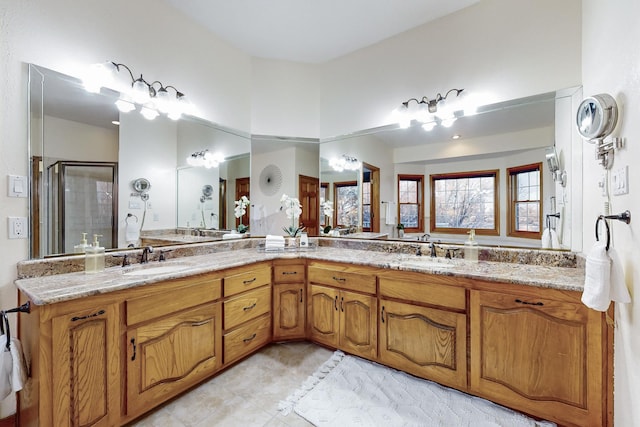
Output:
x=69 y=124
x=500 y=137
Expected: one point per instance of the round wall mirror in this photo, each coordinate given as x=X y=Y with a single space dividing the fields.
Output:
x=597 y=116
x=141 y=185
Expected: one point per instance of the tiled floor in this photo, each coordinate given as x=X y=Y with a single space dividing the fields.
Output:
x=247 y=394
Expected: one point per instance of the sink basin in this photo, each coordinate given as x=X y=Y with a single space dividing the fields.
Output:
x=427 y=262
x=153 y=270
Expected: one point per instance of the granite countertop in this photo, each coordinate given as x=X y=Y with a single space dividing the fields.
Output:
x=63 y=287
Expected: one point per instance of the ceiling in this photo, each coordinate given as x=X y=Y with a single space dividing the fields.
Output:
x=312 y=32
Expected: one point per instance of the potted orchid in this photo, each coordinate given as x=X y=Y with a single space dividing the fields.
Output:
x=292 y=207
x=239 y=211
x=327 y=210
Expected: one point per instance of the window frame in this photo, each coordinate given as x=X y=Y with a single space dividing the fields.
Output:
x=421 y=199
x=495 y=174
x=512 y=200
x=337 y=185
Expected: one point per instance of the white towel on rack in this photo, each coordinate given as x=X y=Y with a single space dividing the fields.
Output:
x=6 y=363
x=131 y=233
x=390 y=213
x=618 y=291
x=19 y=366
x=546 y=239
x=597 y=280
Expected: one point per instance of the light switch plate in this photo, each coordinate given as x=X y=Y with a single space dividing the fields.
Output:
x=17 y=186
x=620 y=181
x=17 y=227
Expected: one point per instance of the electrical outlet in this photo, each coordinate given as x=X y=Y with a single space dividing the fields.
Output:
x=602 y=184
x=17 y=227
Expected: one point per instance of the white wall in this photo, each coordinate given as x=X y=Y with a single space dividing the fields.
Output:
x=71 y=140
x=611 y=64
x=505 y=48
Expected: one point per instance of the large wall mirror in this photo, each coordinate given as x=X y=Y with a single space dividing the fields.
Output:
x=86 y=156
x=501 y=137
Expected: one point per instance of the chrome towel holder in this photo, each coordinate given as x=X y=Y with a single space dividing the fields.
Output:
x=624 y=217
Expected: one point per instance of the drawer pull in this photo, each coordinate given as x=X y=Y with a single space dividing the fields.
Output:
x=287 y=273
x=300 y=294
x=519 y=301
x=204 y=322
x=88 y=316
x=339 y=279
x=382 y=314
x=133 y=343
x=249 y=307
x=246 y=282
x=249 y=339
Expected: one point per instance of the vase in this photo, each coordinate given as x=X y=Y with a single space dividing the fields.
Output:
x=292 y=242
x=400 y=233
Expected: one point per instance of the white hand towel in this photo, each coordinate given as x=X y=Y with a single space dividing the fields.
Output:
x=274 y=242
x=19 y=366
x=546 y=239
x=390 y=213
x=597 y=281
x=6 y=363
x=618 y=291
x=555 y=242
x=230 y=236
x=131 y=233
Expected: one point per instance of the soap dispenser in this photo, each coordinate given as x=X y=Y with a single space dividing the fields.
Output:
x=94 y=259
x=471 y=247
x=81 y=247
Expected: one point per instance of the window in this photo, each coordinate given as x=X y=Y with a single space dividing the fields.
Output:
x=463 y=201
x=324 y=193
x=346 y=199
x=366 y=202
x=410 y=202
x=524 y=209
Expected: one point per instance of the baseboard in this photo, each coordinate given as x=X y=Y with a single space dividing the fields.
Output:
x=10 y=421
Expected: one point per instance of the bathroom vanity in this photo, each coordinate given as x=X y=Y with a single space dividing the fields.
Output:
x=106 y=348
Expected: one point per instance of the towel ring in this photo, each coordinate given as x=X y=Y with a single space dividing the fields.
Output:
x=602 y=217
x=129 y=215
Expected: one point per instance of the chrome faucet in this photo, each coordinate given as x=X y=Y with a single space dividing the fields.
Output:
x=425 y=237
x=144 y=258
x=432 y=247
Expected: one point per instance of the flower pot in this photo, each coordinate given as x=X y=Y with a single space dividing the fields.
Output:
x=400 y=233
x=293 y=242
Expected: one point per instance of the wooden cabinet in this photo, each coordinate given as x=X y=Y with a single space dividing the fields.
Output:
x=339 y=317
x=543 y=356
x=247 y=311
x=289 y=297
x=85 y=368
x=173 y=341
x=424 y=332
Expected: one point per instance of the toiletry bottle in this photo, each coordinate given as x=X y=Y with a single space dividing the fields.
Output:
x=471 y=247
x=304 y=240
x=81 y=247
x=94 y=258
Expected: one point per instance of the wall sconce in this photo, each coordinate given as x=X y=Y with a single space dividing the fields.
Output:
x=344 y=163
x=428 y=111
x=153 y=97
x=205 y=159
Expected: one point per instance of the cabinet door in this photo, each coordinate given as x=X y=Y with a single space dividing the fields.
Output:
x=426 y=342
x=171 y=354
x=537 y=355
x=288 y=311
x=85 y=368
x=358 y=325
x=324 y=317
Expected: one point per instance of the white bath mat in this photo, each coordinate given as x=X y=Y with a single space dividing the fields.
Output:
x=349 y=391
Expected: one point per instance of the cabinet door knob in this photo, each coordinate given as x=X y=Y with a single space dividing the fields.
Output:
x=300 y=294
x=382 y=314
x=335 y=303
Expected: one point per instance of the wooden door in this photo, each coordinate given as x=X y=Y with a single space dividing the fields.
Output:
x=538 y=355
x=426 y=342
x=171 y=354
x=85 y=368
x=243 y=186
x=371 y=199
x=358 y=324
x=324 y=317
x=308 y=188
x=288 y=311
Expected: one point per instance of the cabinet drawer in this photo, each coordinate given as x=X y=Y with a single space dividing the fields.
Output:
x=293 y=273
x=247 y=306
x=326 y=275
x=424 y=292
x=247 y=280
x=201 y=290
x=246 y=339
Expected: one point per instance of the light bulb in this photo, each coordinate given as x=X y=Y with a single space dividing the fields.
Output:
x=163 y=100
x=140 y=91
x=98 y=75
x=429 y=126
x=448 y=122
x=149 y=113
x=125 y=106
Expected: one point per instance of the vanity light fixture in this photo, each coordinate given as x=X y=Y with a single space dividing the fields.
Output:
x=153 y=97
x=344 y=163
x=205 y=159
x=429 y=111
